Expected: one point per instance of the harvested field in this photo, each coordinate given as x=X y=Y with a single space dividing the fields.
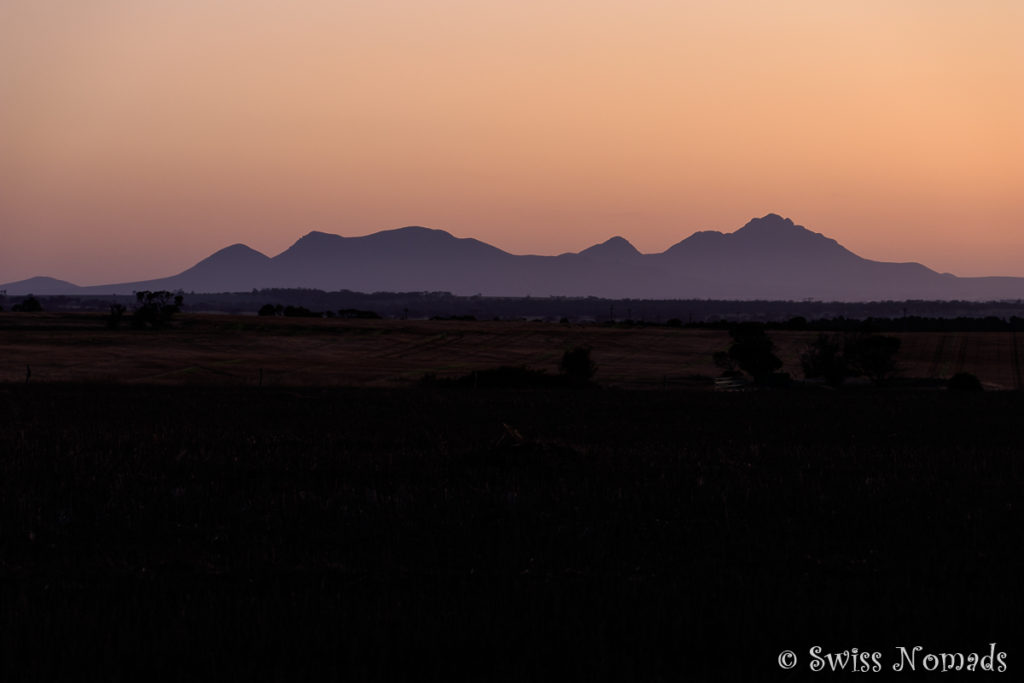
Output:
x=246 y=351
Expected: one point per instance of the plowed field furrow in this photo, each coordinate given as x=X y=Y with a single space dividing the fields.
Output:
x=1017 y=378
x=961 y=355
x=940 y=351
x=430 y=343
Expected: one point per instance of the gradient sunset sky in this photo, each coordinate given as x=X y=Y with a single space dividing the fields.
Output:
x=137 y=137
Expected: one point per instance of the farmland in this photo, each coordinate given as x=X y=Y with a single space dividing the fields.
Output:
x=164 y=515
x=233 y=350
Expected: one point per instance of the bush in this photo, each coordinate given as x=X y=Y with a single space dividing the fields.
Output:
x=270 y=309
x=965 y=382
x=577 y=365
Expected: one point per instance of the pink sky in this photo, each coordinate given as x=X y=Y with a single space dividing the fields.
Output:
x=136 y=138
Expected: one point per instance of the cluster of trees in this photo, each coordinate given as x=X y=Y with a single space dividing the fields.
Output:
x=153 y=310
x=872 y=325
x=832 y=357
x=303 y=312
x=29 y=305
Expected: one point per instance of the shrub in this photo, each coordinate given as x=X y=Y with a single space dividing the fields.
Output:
x=269 y=309
x=965 y=382
x=577 y=365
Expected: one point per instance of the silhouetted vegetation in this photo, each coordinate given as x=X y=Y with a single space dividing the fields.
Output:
x=116 y=316
x=752 y=351
x=879 y=316
x=873 y=356
x=577 y=365
x=29 y=304
x=964 y=382
x=303 y=312
x=834 y=357
x=300 y=312
x=356 y=314
x=155 y=309
x=825 y=358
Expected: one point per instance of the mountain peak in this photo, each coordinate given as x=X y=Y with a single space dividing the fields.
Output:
x=239 y=249
x=615 y=246
x=771 y=222
x=41 y=285
x=234 y=255
x=317 y=235
x=775 y=232
x=416 y=234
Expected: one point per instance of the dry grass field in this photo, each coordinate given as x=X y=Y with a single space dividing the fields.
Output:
x=238 y=350
x=162 y=518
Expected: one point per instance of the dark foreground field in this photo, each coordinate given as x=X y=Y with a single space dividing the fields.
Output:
x=240 y=534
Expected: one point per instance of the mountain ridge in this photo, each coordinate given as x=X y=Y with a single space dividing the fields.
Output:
x=770 y=257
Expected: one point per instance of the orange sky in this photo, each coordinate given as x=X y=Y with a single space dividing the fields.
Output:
x=138 y=137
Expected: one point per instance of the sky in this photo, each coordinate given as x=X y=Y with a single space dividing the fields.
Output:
x=139 y=136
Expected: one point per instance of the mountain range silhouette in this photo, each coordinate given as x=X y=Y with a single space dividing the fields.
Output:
x=769 y=258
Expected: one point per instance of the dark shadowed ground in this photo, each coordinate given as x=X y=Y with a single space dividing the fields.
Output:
x=239 y=533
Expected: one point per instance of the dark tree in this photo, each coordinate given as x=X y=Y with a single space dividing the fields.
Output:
x=300 y=312
x=358 y=314
x=873 y=356
x=824 y=357
x=577 y=365
x=964 y=382
x=270 y=309
x=725 y=363
x=753 y=351
x=29 y=305
x=155 y=309
x=117 y=312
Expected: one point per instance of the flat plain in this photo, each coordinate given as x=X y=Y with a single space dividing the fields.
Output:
x=163 y=515
x=247 y=350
